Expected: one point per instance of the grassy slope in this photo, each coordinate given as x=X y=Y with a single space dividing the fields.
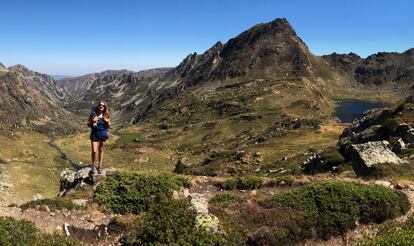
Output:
x=32 y=166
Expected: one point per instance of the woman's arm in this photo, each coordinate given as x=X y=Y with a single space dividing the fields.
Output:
x=92 y=119
x=107 y=121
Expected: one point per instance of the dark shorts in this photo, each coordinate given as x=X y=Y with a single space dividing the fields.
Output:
x=97 y=137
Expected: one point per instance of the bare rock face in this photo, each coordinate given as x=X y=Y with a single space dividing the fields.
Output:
x=365 y=157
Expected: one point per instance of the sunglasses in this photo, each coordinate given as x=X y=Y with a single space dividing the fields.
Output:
x=101 y=105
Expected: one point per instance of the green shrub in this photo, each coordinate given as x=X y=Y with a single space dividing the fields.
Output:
x=275 y=225
x=408 y=106
x=336 y=206
x=395 y=235
x=331 y=159
x=325 y=162
x=281 y=180
x=224 y=200
x=249 y=183
x=180 y=167
x=248 y=223
x=170 y=223
x=23 y=232
x=229 y=184
x=137 y=191
x=53 y=204
x=388 y=128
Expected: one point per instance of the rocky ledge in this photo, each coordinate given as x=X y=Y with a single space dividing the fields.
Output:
x=71 y=179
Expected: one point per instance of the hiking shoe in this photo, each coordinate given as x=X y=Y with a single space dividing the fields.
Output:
x=100 y=170
x=94 y=170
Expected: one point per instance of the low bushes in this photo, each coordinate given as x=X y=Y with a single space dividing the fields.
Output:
x=396 y=235
x=336 y=206
x=281 y=181
x=180 y=168
x=52 y=204
x=134 y=192
x=224 y=200
x=13 y=232
x=251 y=183
x=388 y=128
x=275 y=225
x=249 y=223
x=170 y=223
x=326 y=161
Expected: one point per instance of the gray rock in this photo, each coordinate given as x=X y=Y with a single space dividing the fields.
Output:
x=383 y=183
x=365 y=157
x=399 y=146
x=80 y=202
x=199 y=204
x=70 y=179
x=83 y=173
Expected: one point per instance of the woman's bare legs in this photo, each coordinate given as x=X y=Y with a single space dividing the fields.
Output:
x=94 y=150
x=101 y=152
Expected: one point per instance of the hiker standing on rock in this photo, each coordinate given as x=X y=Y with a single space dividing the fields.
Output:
x=99 y=123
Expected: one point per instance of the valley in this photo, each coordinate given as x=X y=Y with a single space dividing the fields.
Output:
x=258 y=122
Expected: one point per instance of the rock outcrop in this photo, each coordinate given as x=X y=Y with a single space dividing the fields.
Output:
x=70 y=179
x=367 y=156
x=378 y=125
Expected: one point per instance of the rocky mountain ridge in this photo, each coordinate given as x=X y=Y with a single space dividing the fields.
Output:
x=34 y=100
x=43 y=84
x=266 y=55
x=389 y=69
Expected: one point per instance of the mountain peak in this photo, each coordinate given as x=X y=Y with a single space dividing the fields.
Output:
x=19 y=67
x=279 y=25
x=409 y=51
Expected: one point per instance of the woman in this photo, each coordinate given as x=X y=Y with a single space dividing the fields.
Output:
x=100 y=123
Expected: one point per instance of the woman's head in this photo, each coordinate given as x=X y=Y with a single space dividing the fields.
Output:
x=102 y=107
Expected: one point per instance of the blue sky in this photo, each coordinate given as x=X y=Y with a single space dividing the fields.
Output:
x=82 y=36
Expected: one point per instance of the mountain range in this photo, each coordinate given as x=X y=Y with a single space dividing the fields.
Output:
x=265 y=70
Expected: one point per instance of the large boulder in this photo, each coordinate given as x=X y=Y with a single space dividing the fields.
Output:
x=368 y=157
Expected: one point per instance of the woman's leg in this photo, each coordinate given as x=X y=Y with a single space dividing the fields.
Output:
x=101 y=152
x=94 y=150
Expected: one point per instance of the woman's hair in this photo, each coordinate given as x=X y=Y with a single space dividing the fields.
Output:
x=105 y=111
